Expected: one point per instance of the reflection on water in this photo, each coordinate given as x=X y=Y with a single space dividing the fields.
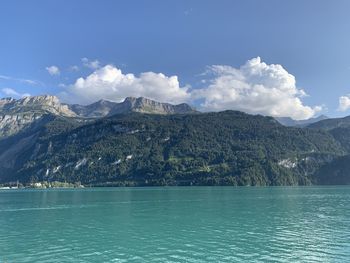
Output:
x=188 y=224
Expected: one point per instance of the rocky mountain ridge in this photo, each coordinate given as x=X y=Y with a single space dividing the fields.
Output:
x=103 y=108
x=15 y=115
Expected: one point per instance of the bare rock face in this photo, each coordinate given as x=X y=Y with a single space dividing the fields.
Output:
x=105 y=108
x=41 y=104
x=145 y=105
x=13 y=123
x=18 y=114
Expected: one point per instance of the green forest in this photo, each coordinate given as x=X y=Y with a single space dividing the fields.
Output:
x=225 y=148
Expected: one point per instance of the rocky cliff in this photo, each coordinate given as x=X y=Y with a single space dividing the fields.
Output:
x=105 y=108
x=18 y=114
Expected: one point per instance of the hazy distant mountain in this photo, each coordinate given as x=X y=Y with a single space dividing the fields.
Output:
x=337 y=171
x=98 y=109
x=333 y=123
x=104 y=108
x=287 y=121
x=338 y=127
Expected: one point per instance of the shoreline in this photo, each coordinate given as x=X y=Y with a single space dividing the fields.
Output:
x=168 y=186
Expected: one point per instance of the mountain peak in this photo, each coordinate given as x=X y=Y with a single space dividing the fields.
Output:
x=146 y=105
x=102 y=101
x=131 y=98
x=41 y=103
x=15 y=114
x=41 y=99
x=141 y=100
x=103 y=108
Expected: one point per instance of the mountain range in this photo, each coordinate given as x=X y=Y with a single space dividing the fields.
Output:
x=144 y=142
x=18 y=114
x=104 y=108
x=287 y=121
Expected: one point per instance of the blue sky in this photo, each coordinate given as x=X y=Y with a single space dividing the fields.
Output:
x=309 y=39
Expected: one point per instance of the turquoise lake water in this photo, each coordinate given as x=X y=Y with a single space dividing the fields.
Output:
x=176 y=224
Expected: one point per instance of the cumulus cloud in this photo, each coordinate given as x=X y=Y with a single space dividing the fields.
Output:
x=53 y=70
x=91 y=64
x=344 y=103
x=111 y=83
x=256 y=88
x=13 y=93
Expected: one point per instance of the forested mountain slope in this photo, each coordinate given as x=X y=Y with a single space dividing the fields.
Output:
x=225 y=148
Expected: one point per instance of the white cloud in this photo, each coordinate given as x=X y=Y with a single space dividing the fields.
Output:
x=344 y=103
x=91 y=64
x=5 y=77
x=110 y=83
x=53 y=70
x=13 y=93
x=255 y=88
x=74 y=68
x=27 y=81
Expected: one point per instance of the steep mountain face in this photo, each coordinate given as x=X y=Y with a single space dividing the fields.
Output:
x=339 y=128
x=44 y=103
x=331 y=124
x=16 y=149
x=16 y=115
x=225 y=148
x=287 y=121
x=144 y=105
x=337 y=171
x=98 y=109
x=105 y=108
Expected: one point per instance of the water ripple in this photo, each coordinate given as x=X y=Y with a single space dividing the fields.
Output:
x=306 y=224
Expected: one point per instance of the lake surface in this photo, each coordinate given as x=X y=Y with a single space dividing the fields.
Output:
x=176 y=224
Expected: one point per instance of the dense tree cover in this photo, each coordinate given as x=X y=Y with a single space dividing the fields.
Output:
x=330 y=124
x=338 y=170
x=226 y=148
